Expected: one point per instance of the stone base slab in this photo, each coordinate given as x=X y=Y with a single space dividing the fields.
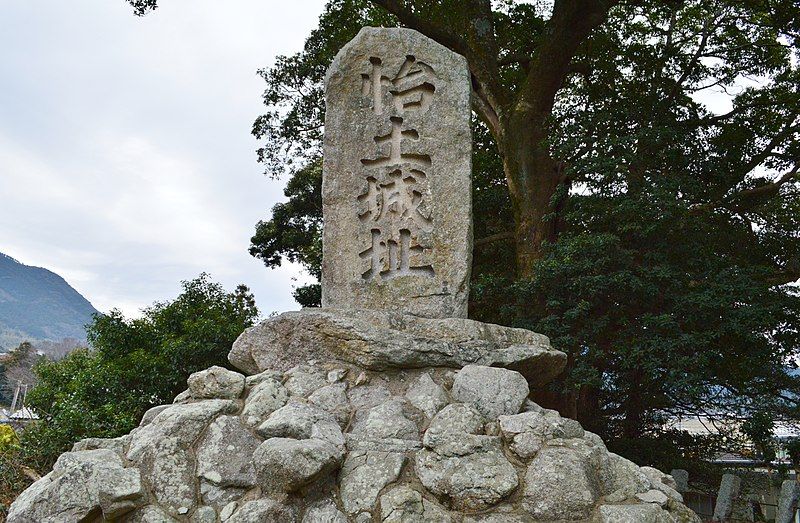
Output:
x=383 y=340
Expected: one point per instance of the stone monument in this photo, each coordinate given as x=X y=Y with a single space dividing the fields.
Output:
x=388 y=404
x=396 y=189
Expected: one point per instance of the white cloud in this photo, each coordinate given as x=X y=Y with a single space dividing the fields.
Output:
x=126 y=163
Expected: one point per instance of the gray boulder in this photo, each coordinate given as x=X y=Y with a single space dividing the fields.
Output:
x=80 y=484
x=324 y=511
x=381 y=340
x=266 y=397
x=472 y=482
x=385 y=428
x=427 y=395
x=406 y=505
x=216 y=382
x=284 y=464
x=364 y=474
x=150 y=514
x=262 y=510
x=560 y=485
x=224 y=455
x=634 y=514
x=681 y=478
x=726 y=497
x=302 y=380
x=333 y=399
x=493 y=391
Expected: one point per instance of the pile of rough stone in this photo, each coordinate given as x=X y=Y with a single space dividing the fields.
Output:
x=363 y=417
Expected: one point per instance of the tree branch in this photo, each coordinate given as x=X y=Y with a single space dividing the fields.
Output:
x=506 y=235
x=748 y=199
x=476 y=41
x=570 y=25
x=408 y=18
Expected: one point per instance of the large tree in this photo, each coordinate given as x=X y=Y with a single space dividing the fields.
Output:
x=636 y=188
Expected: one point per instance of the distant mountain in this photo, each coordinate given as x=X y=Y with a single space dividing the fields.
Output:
x=37 y=304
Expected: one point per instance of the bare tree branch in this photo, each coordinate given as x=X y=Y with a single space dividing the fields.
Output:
x=493 y=238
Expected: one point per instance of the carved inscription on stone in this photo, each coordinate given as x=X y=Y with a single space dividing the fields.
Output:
x=396 y=189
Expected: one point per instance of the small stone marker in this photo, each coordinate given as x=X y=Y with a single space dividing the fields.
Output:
x=396 y=192
x=681 y=478
x=787 y=502
x=726 y=497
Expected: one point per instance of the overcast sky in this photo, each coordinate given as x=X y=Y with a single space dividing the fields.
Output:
x=126 y=160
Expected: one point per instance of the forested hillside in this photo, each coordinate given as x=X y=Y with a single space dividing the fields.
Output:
x=37 y=304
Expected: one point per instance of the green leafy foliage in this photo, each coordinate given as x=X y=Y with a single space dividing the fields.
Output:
x=666 y=284
x=134 y=365
x=759 y=430
x=793 y=451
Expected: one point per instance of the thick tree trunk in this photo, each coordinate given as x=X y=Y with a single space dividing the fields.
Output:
x=533 y=178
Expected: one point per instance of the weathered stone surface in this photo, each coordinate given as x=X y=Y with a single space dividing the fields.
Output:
x=623 y=477
x=302 y=380
x=380 y=340
x=455 y=431
x=184 y=422
x=546 y=424
x=185 y=458
x=663 y=482
x=150 y=514
x=324 y=511
x=80 y=484
x=427 y=395
x=162 y=450
x=219 y=496
x=262 y=510
x=116 y=444
x=224 y=456
x=728 y=492
x=216 y=382
x=364 y=474
x=333 y=399
x=464 y=466
x=472 y=482
x=183 y=397
x=493 y=391
x=151 y=414
x=384 y=428
x=787 y=501
x=285 y=464
x=228 y=510
x=302 y=421
x=653 y=496
x=560 y=485
x=681 y=478
x=405 y=505
x=396 y=178
x=633 y=514
x=367 y=396
x=528 y=431
x=266 y=397
x=204 y=515
x=498 y=518
x=168 y=466
x=255 y=379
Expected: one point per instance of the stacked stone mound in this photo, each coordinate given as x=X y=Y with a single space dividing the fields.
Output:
x=331 y=441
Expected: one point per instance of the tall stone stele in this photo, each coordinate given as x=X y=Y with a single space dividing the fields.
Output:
x=396 y=189
x=388 y=404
